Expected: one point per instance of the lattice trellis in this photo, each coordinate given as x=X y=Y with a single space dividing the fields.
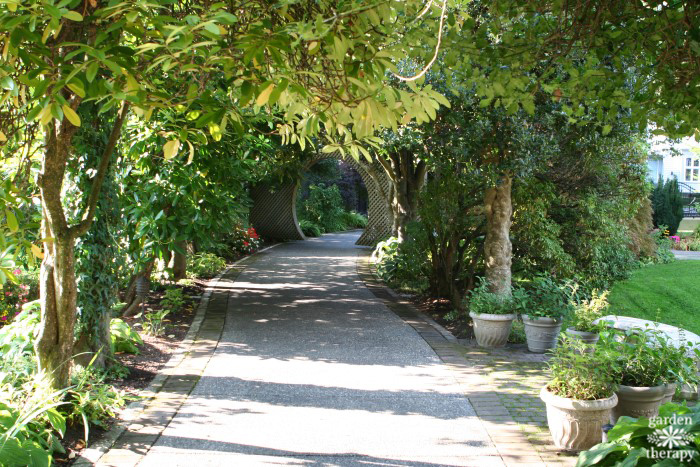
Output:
x=274 y=211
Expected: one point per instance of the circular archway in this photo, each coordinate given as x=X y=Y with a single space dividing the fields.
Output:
x=273 y=213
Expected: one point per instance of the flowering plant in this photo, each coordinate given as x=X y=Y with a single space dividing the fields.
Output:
x=12 y=297
x=244 y=241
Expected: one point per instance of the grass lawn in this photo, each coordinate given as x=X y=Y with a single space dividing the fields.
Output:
x=668 y=293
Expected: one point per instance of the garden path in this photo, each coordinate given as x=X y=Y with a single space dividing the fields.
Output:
x=304 y=359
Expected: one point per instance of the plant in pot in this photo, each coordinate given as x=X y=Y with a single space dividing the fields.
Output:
x=583 y=318
x=549 y=303
x=640 y=370
x=492 y=314
x=681 y=364
x=579 y=396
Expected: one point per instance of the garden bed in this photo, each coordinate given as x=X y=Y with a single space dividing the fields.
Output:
x=154 y=354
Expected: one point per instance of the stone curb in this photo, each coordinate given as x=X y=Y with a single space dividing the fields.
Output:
x=510 y=441
x=92 y=455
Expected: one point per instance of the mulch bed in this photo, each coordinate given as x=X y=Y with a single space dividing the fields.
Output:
x=437 y=308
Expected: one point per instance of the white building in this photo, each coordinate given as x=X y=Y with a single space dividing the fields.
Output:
x=680 y=160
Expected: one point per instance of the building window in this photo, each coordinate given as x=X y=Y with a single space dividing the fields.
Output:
x=692 y=169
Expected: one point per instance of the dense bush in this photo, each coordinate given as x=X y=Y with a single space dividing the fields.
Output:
x=403 y=265
x=309 y=228
x=12 y=296
x=667 y=202
x=354 y=220
x=204 y=265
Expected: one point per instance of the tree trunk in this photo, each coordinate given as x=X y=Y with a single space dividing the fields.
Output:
x=58 y=299
x=498 y=249
x=180 y=261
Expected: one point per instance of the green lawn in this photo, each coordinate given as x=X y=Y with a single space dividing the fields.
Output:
x=669 y=293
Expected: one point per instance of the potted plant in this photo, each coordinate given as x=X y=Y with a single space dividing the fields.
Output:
x=584 y=316
x=549 y=303
x=579 y=396
x=492 y=315
x=681 y=365
x=640 y=370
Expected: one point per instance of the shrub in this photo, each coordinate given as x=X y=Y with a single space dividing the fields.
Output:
x=663 y=246
x=324 y=207
x=549 y=298
x=124 y=339
x=402 y=265
x=586 y=311
x=577 y=374
x=481 y=300
x=309 y=228
x=354 y=219
x=153 y=323
x=12 y=296
x=204 y=265
x=667 y=203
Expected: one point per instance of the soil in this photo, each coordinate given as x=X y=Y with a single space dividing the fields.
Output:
x=437 y=308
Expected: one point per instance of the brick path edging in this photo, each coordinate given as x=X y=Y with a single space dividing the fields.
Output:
x=130 y=438
x=505 y=432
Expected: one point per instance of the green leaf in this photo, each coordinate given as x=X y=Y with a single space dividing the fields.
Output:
x=58 y=421
x=7 y=83
x=77 y=87
x=73 y=16
x=71 y=115
x=92 y=71
x=171 y=148
x=11 y=221
x=607 y=129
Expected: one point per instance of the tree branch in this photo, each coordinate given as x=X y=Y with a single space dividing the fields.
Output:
x=86 y=221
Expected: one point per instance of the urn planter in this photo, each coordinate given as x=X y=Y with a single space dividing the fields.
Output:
x=587 y=337
x=576 y=425
x=669 y=393
x=492 y=330
x=541 y=333
x=638 y=401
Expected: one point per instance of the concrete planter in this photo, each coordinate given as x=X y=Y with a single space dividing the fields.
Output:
x=669 y=393
x=492 y=330
x=638 y=401
x=576 y=425
x=541 y=333
x=587 y=337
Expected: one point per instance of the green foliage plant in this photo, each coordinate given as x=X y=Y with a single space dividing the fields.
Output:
x=645 y=358
x=631 y=441
x=481 y=300
x=587 y=310
x=324 y=207
x=667 y=203
x=576 y=374
x=664 y=254
x=309 y=228
x=173 y=300
x=92 y=401
x=123 y=337
x=154 y=323
x=353 y=219
x=204 y=265
x=549 y=298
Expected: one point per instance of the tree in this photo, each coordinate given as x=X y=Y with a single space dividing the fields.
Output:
x=667 y=204
x=218 y=61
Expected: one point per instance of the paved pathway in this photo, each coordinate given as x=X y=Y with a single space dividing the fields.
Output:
x=680 y=254
x=312 y=369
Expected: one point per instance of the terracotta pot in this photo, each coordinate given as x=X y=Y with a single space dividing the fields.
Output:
x=638 y=401
x=576 y=425
x=669 y=393
x=492 y=330
x=541 y=333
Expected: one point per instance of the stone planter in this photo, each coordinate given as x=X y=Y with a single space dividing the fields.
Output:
x=638 y=401
x=576 y=425
x=492 y=330
x=669 y=393
x=587 y=337
x=541 y=333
